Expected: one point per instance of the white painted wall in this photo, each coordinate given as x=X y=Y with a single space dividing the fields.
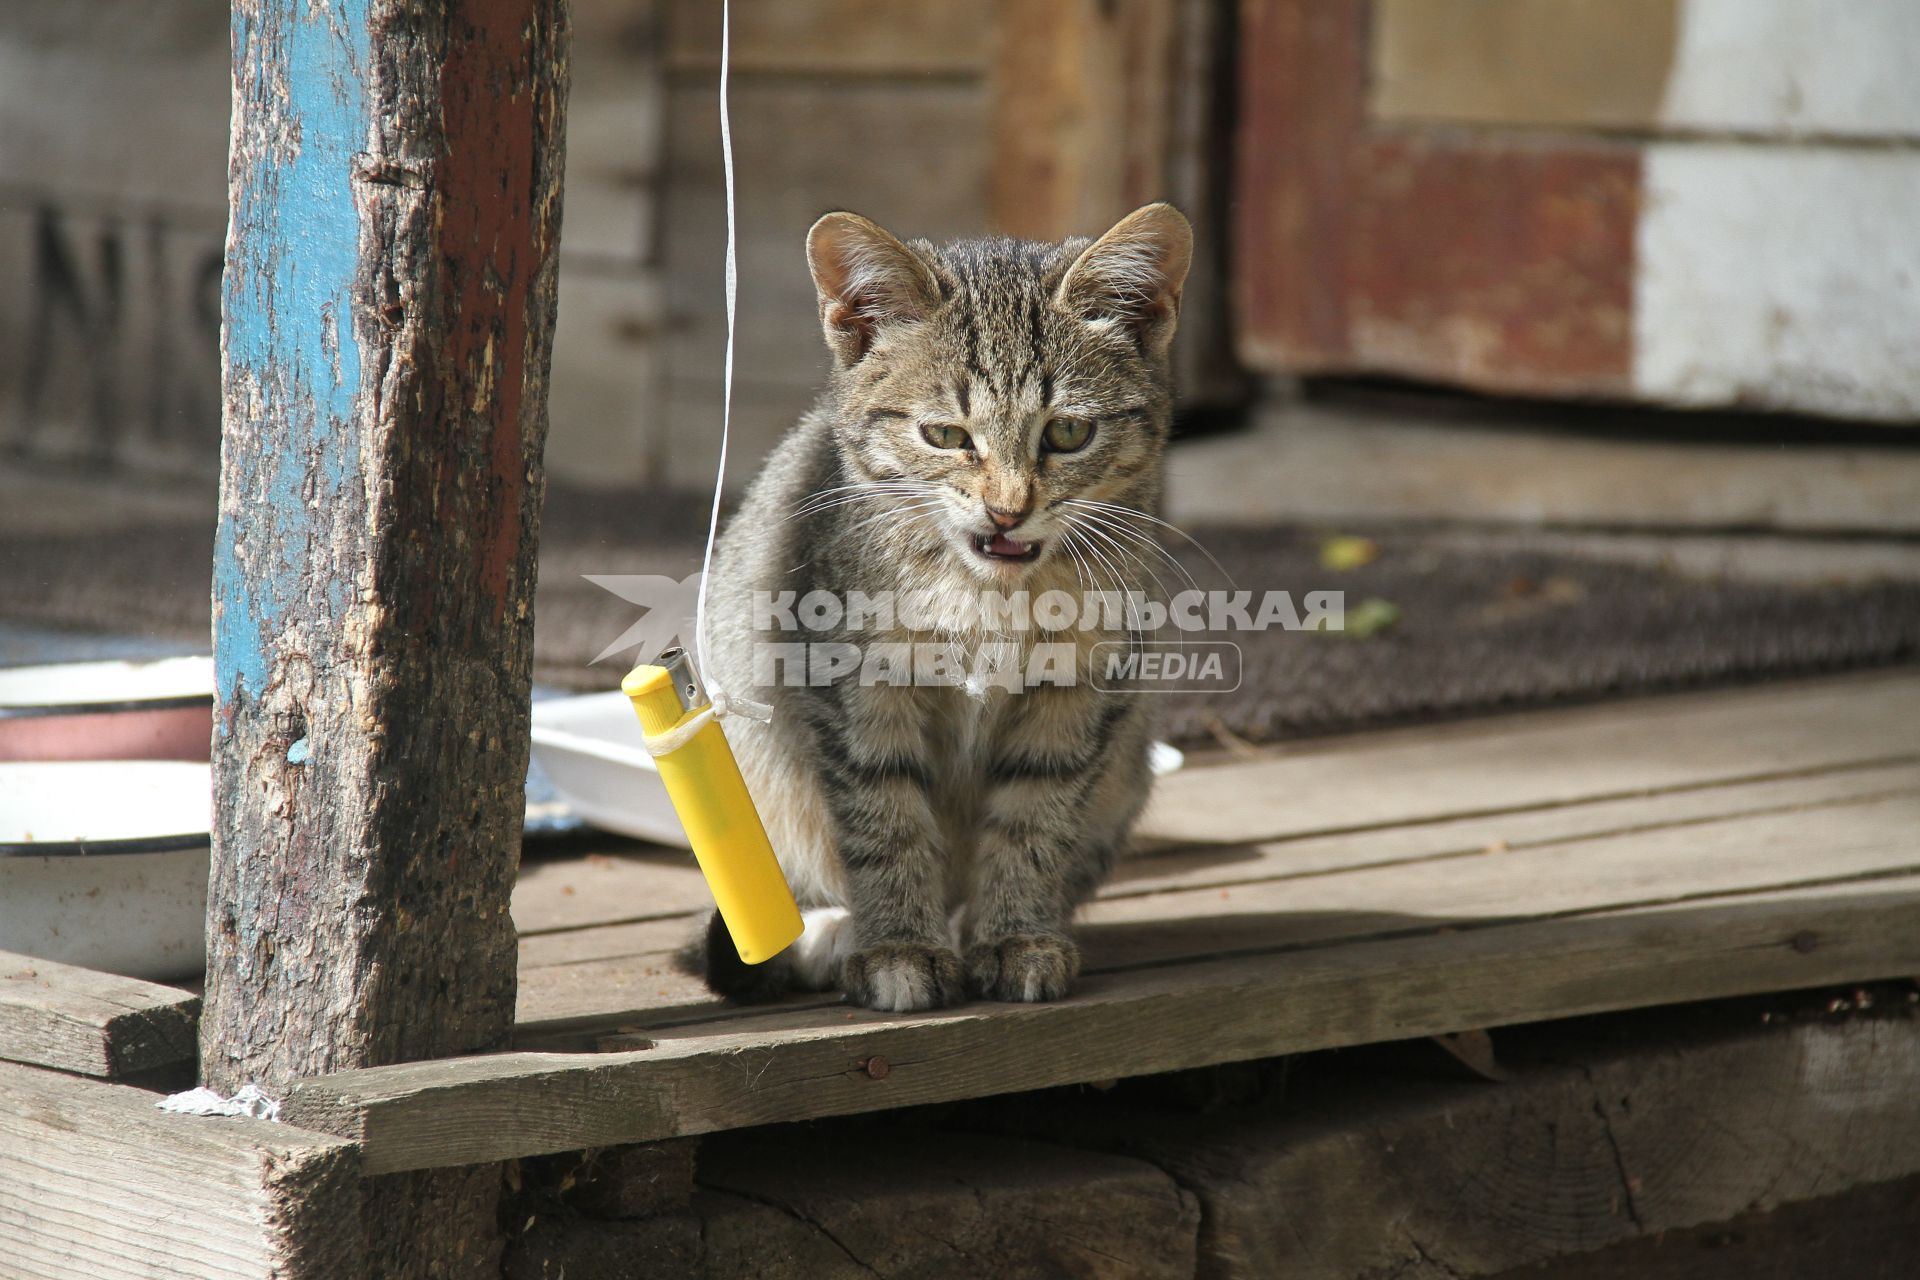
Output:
x=1827 y=67
x=1780 y=276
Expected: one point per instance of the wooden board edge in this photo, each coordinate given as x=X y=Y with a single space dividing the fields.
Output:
x=92 y=1023
x=460 y=1111
x=161 y=1191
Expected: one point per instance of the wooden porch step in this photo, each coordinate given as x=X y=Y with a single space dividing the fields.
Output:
x=1425 y=881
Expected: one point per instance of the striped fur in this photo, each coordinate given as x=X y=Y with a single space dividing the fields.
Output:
x=944 y=837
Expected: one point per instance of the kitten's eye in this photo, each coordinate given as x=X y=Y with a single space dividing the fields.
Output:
x=943 y=437
x=1067 y=435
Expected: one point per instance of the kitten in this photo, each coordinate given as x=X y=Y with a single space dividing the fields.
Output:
x=995 y=419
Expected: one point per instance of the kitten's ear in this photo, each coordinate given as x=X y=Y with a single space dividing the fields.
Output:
x=1134 y=274
x=866 y=280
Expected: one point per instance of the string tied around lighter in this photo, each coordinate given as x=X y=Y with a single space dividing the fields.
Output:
x=680 y=714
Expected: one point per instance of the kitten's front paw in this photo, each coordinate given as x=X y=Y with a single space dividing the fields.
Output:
x=899 y=977
x=1025 y=967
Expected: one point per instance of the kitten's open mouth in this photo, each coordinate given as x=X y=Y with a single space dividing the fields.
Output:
x=998 y=546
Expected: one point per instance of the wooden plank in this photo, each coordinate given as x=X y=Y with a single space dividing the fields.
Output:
x=1802 y=254
x=1597 y=64
x=1579 y=263
x=97 y=1181
x=1494 y=465
x=561 y=894
x=123 y=101
x=808 y=149
x=790 y=1067
x=1537 y=759
x=608 y=376
x=1082 y=96
x=627 y=975
x=1484 y=261
x=1766 y=69
x=983 y=1206
x=1100 y=107
x=834 y=38
x=1189 y=868
x=1846 y=841
x=616 y=133
x=97 y=1024
x=613 y=931
x=1509 y=266
x=1302 y=75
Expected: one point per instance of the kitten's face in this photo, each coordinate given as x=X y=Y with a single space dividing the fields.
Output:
x=997 y=391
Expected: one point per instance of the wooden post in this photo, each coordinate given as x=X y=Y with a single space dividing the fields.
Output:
x=1100 y=106
x=1081 y=112
x=388 y=318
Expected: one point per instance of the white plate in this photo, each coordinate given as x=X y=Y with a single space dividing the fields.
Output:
x=104 y=864
x=92 y=686
x=591 y=750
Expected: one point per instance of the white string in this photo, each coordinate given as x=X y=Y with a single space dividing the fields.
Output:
x=726 y=375
x=719 y=706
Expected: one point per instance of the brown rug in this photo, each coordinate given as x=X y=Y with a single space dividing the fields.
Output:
x=1450 y=631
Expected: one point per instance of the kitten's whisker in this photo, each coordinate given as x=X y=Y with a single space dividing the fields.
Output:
x=902 y=515
x=1089 y=549
x=1144 y=540
x=1119 y=575
x=843 y=495
x=1129 y=557
x=1115 y=508
x=1070 y=539
x=1149 y=571
x=1138 y=540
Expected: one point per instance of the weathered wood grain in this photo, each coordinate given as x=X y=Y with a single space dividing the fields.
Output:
x=1098 y=108
x=1470 y=260
x=1531 y=760
x=379 y=509
x=799 y=156
x=96 y=1181
x=777 y=1067
x=555 y=895
x=1492 y=466
x=1592 y=64
x=1328 y=890
x=96 y=1024
x=1845 y=841
x=952 y=1206
x=388 y=314
x=1177 y=867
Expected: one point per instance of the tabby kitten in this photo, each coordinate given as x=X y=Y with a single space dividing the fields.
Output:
x=995 y=420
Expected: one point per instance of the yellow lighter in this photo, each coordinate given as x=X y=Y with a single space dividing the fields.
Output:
x=711 y=797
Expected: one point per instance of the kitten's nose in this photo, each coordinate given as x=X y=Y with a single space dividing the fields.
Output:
x=1004 y=519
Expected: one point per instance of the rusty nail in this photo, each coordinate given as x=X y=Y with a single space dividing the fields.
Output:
x=1804 y=941
x=876 y=1067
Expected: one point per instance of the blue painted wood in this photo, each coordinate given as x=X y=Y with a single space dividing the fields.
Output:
x=288 y=341
x=388 y=310
x=388 y=315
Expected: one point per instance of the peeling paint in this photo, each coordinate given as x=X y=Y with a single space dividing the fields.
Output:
x=286 y=309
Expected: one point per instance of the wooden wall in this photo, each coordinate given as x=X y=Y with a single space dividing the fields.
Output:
x=1030 y=116
x=113 y=140
x=877 y=107
x=1684 y=202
